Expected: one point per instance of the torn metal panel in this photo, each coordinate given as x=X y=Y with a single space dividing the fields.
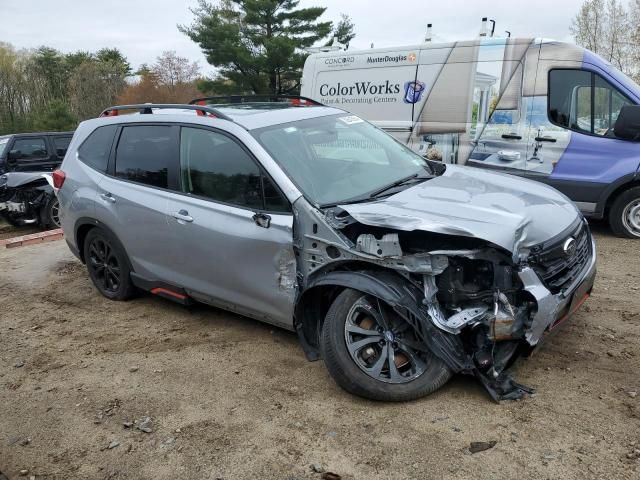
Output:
x=387 y=246
x=501 y=209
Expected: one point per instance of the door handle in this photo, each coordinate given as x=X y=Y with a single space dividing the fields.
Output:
x=546 y=139
x=107 y=197
x=511 y=136
x=262 y=220
x=183 y=216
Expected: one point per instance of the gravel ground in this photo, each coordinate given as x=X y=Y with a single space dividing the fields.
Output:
x=231 y=398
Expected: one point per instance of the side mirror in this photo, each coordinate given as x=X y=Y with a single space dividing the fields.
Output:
x=627 y=126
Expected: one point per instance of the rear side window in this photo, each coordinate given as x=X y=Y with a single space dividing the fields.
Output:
x=143 y=154
x=96 y=148
x=214 y=166
x=61 y=144
x=28 y=149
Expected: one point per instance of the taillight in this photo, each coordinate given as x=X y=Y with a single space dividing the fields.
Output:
x=58 y=178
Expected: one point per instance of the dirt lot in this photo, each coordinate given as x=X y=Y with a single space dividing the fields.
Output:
x=232 y=398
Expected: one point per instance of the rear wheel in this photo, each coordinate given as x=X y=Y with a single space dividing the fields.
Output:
x=372 y=352
x=624 y=216
x=108 y=265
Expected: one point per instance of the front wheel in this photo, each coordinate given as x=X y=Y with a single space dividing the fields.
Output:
x=50 y=214
x=624 y=216
x=372 y=352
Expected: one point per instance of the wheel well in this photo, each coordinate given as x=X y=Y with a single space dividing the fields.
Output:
x=81 y=234
x=617 y=192
x=312 y=308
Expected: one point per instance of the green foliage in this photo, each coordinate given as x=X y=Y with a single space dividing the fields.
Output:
x=257 y=45
x=343 y=31
x=55 y=118
x=45 y=89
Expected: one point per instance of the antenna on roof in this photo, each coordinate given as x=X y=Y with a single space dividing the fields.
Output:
x=493 y=27
x=371 y=44
x=427 y=37
x=508 y=33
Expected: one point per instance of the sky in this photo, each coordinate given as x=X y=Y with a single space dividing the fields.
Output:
x=143 y=29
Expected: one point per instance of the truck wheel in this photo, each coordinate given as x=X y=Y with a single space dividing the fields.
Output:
x=624 y=216
x=50 y=214
x=108 y=265
x=372 y=352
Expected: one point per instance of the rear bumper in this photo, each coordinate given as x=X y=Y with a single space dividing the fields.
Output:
x=554 y=309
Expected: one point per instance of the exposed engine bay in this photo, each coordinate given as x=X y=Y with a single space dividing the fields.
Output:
x=27 y=198
x=466 y=299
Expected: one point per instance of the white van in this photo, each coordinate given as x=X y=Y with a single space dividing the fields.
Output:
x=535 y=108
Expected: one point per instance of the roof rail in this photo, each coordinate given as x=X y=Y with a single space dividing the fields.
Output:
x=147 y=108
x=294 y=100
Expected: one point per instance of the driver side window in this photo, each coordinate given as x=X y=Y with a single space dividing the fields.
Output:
x=584 y=101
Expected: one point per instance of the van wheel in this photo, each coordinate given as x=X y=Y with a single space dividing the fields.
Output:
x=372 y=352
x=108 y=265
x=624 y=216
x=50 y=214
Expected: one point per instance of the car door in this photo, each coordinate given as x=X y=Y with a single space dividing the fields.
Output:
x=578 y=153
x=231 y=229
x=132 y=199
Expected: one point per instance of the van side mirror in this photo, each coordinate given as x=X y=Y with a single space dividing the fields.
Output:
x=627 y=126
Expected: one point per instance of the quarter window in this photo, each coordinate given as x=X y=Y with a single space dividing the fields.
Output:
x=583 y=101
x=143 y=154
x=96 y=148
x=214 y=166
x=29 y=149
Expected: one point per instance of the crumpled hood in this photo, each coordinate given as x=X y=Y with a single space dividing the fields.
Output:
x=505 y=210
x=18 y=179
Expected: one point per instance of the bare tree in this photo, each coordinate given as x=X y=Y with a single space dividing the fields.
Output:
x=171 y=70
x=612 y=30
x=587 y=25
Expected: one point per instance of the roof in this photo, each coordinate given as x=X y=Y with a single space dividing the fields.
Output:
x=250 y=116
x=35 y=134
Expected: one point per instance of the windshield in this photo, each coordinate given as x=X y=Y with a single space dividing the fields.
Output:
x=339 y=158
x=3 y=144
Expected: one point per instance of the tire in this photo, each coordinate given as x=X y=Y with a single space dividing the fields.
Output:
x=50 y=214
x=423 y=373
x=624 y=216
x=108 y=265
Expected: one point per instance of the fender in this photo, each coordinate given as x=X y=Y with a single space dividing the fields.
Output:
x=613 y=186
x=24 y=179
x=85 y=221
x=406 y=299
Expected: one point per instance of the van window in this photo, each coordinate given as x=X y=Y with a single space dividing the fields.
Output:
x=29 y=149
x=96 y=148
x=143 y=154
x=584 y=101
x=61 y=144
x=214 y=166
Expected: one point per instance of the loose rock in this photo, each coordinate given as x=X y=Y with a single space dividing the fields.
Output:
x=476 y=447
x=317 y=468
x=133 y=369
x=330 y=476
x=145 y=424
x=113 y=444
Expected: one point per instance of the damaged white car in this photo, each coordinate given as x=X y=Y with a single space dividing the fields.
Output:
x=397 y=271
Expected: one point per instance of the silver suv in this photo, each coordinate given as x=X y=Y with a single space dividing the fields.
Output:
x=397 y=271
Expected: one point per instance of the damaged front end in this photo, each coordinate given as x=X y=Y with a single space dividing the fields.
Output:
x=473 y=304
x=24 y=197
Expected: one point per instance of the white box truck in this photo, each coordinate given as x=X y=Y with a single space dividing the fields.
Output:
x=542 y=109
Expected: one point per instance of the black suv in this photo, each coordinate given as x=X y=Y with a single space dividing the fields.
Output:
x=26 y=187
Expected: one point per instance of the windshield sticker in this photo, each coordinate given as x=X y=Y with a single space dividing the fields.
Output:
x=290 y=129
x=351 y=119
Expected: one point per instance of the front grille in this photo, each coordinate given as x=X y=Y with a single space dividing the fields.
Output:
x=557 y=269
